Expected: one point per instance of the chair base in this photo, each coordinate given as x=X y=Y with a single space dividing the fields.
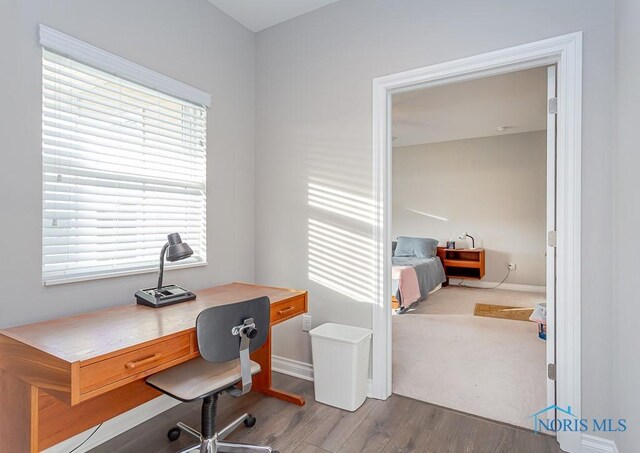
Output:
x=224 y=447
x=216 y=443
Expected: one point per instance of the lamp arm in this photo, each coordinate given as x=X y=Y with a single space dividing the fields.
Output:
x=473 y=241
x=162 y=253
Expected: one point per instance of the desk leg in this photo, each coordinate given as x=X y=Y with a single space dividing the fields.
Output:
x=18 y=415
x=262 y=380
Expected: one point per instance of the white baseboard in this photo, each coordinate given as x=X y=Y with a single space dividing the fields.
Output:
x=594 y=444
x=302 y=370
x=115 y=426
x=292 y=367
x=508 y=286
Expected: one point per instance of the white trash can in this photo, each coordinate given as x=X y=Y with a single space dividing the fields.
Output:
x=340 y=364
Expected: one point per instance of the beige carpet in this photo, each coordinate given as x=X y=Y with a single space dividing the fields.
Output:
x=494 y=368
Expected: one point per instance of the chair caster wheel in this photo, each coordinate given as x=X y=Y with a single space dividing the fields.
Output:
x=249 y=421
x=174 y=434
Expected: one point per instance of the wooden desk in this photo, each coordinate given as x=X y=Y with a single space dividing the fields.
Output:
x=59 y=378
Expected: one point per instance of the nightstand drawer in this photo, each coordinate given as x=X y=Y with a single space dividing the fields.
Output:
x=462 y=263
x=133 y=363
x=289 y=308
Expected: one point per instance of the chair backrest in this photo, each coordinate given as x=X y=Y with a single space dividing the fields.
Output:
x=213 y=328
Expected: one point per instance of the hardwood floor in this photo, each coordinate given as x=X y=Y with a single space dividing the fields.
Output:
x=397 y=425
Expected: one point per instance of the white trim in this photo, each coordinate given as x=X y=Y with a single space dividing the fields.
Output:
x=302 y=370
x=568 y=225
x=101 y=59
x=149 y=270
x=115 y=426
x=509 y=286
x=566 y=52
x=594 y=444
x=550 y=258
x=292 y=367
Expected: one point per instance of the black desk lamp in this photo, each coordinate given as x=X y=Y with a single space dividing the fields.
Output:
x=160 y=296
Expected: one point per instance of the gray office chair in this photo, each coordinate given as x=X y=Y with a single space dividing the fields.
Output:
x=226 y=335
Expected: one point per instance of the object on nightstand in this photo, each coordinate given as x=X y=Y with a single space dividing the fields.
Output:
x=161 y=296
x=466 y=235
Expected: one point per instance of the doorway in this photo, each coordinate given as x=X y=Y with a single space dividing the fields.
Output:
x=469 y=169
x=565 y=53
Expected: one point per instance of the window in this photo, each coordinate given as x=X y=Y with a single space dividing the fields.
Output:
x=123 y=166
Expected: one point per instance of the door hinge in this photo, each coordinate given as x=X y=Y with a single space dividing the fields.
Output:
x=552 y=238
x=551 y=371
x=553 y=106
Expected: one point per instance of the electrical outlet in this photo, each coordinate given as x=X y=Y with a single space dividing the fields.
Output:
x=512 y=266
x=306 y=323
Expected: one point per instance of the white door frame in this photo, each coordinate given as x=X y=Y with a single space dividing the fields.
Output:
x=551 y=226
x=566 y=52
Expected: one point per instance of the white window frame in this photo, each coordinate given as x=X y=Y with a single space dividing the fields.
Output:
x=75 y=49
x=105 y=61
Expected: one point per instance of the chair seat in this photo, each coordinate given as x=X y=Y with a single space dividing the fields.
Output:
x=197 y=378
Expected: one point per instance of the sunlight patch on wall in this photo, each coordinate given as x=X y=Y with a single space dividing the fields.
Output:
x=426 y=214
x=342 y=260
x=342 y=203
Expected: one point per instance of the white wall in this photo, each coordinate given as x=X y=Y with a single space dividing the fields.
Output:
x=313 y=123
x=492 y=187
x=191 y=41
x=627 y=224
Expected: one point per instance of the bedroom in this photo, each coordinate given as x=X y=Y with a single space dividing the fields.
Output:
x=469 y=193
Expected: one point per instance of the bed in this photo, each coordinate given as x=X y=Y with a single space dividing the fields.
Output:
x=416 y=272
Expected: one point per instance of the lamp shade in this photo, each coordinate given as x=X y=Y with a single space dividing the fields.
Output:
x=177 y=250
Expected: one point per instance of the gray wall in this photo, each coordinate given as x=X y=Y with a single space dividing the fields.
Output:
x=627 y=223
x=313 y=123
x=492 y=187
x=191 y=41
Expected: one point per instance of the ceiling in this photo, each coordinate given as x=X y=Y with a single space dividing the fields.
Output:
x=475 y=108
x=257 y=15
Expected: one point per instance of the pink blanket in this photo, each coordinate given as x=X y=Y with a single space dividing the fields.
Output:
x=407 y=284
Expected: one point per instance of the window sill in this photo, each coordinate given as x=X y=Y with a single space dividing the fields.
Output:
x=86 y=278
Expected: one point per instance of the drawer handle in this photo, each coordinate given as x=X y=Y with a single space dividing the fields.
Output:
x=136 y=363
x=286 y=310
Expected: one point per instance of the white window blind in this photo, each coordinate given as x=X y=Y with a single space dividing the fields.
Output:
x=123 y=166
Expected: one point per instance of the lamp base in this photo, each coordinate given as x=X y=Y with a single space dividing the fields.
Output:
x=167 y=295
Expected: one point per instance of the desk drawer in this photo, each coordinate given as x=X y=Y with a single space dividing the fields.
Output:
x=281 y=311
x=132 y=363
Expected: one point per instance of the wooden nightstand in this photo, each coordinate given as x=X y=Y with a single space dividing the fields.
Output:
x=462 y=263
